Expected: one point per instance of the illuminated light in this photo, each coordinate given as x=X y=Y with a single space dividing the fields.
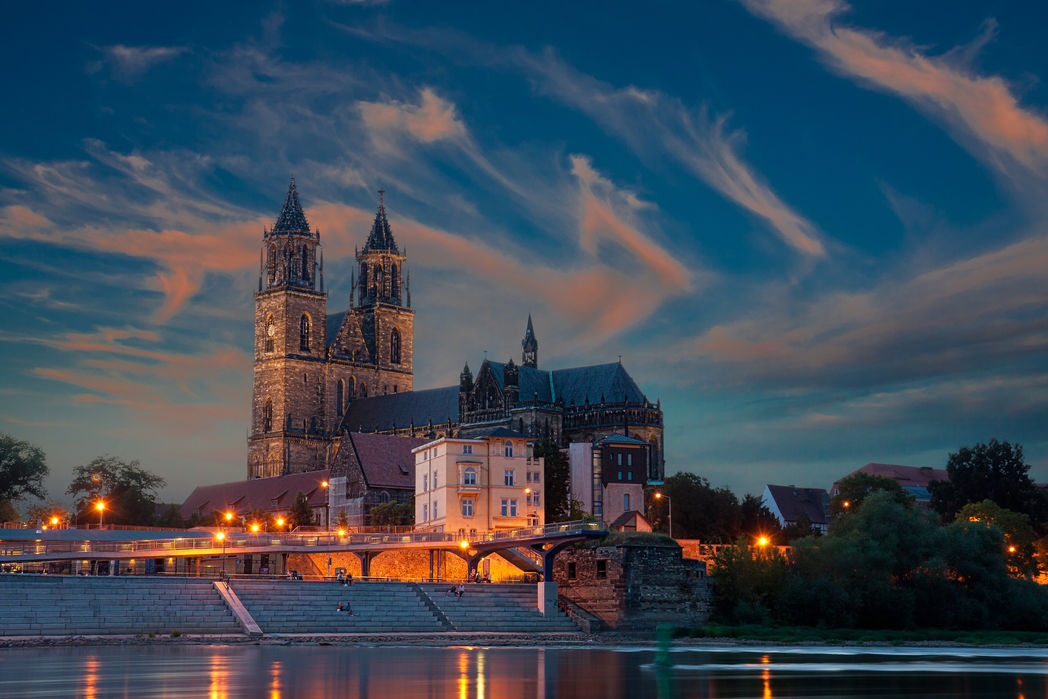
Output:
x=323 y=484
x=658 y=496
x=100 y=506
x=254 y=527
x=763 y=541
x=280 y=521
x=464 y=544
x=1011 y=549
x=220 y=536
x=45 y=527
x=229 y=516
x=846 y=504
x=54 y=520
x=341 y=532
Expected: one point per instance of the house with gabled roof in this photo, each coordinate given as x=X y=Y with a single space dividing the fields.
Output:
x=788 y=503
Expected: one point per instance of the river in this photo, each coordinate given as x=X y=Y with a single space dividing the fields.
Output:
x=509 y=673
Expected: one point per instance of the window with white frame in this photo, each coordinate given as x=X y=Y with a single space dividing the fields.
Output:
x=467 y=507
x=467 y=448
x=505 y=507
x=507 y=477
x=469 y=476
x=425 y=513
x=513 y=507
x=535 y=499
x=434 y=480
x=508 y=448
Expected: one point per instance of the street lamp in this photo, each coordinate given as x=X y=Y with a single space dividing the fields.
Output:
x=54 y=521
x=280 y=521
x=669 y=505
x=221 y=536
x=327 y=506
x=100 y=506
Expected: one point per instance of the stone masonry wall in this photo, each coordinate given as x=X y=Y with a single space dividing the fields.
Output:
x=634 y=586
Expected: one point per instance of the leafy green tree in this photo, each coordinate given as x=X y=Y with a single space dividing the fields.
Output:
x=171 y=518
x=757 y=519
x=577 y=513
x=128 y=491
x=8 y=513
x=700 y=511
x=557 y=472
x=996 y=471
x=1019 y=536
x=393 y=514
x=300 y=514
x=747 y=582
x=22 y=469
x=851 y=492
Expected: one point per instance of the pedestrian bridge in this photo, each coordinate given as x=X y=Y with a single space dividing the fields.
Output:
x=526 y=548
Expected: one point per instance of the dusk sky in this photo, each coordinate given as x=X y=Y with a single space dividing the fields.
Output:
x=818 y=232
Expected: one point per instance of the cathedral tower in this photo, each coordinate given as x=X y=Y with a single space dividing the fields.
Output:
x=383 y=309
x=288 y=423
x=530 y=355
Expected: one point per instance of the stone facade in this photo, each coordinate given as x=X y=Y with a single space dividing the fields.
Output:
x=635 y=583
x=303 y=379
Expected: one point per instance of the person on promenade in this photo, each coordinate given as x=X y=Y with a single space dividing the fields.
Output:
x=340 y=577
x=348 y=580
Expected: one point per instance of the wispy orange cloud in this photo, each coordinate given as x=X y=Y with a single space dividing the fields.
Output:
x=981 y=110
x=432 y=119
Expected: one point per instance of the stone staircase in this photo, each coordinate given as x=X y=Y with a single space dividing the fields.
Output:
x=297 y=606
x=486 y=607
x=58 y=605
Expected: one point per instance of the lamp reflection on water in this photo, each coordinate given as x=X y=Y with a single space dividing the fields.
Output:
x=275 y=669
x=91 y=666
x=463 y=678
x=766 y=676
x=219 y=688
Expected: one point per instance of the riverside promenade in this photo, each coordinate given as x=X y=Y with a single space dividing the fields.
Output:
x=71 y=605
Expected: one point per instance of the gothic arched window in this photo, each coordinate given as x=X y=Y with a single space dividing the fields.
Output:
x=340 y=396
x=267 y=416
x=394 y=347
x=393 y=291
x=352 y=387
x=363 y=390
x=304 y=333
x=271 y=331
x=272 y=264
x=305 y=264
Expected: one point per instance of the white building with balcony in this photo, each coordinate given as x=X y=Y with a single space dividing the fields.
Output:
x=484 y=483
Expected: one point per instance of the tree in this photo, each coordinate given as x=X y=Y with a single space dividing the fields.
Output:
x=22 y=469
x=995 y=471
x=343 y=519
x=757 y=519
x=700 y=511
x=42 y=513
x=747 y=582
x=128 y=491
x=171 y=518
x=8 y=513
x=557 y=471
x=300 y=514
x=393 y=514
x=851 y=491
x=1019 y=536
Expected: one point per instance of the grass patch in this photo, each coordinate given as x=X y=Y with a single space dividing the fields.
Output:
x=812 y=634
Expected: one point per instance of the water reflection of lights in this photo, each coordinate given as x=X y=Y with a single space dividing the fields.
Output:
x=766 y=676
x=219 y=676
x=274 y=679
x=91 y=666
x=481 y=672
x=463 y=679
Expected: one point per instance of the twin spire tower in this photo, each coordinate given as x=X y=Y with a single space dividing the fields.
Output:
x=308 y=365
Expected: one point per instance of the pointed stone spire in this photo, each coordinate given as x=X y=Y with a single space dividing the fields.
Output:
x=530 y=345
x=381 y=237
x=291 y=219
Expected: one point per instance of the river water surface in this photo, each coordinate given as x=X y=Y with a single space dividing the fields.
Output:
x=509 y=673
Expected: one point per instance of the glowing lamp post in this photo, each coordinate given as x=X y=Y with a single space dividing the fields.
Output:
x=669 y=507
x=254 y=527
x=280 y=521
x=221 y=536
x=100 y=506
x=327 y=506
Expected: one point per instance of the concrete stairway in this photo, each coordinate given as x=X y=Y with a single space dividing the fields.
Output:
x=59 y=605
x=296 y=606
x=486 y=607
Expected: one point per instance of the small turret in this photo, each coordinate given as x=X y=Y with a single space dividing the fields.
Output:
x=530 y=345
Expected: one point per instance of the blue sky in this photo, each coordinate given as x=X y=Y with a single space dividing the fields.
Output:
x=816 y=231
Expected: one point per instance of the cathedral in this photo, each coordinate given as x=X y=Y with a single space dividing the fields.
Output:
x=319 y=377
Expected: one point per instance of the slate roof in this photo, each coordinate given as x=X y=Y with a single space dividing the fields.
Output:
x=401 y=409
x=501 y=432
x=381 y=237
x=291 y=219
x=791 y=501
x=620 y=439
x=576 y=385
x=627 y=517
x=387 y=461
x=268 y=494
x=914 y=479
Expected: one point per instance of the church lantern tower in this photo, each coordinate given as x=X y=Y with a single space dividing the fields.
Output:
x=287 y=422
